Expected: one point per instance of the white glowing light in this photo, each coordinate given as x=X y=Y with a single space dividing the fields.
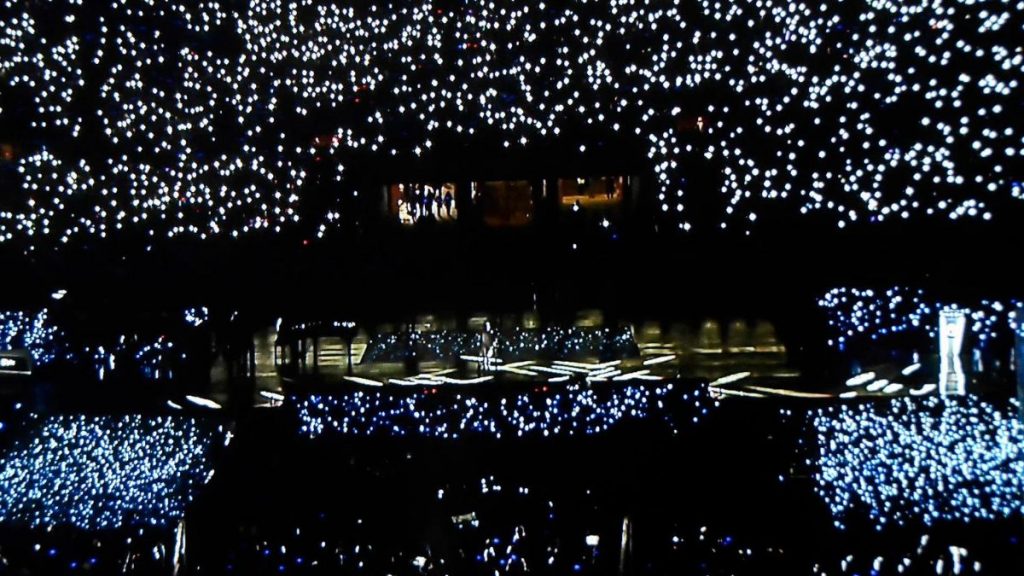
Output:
x=204 y=402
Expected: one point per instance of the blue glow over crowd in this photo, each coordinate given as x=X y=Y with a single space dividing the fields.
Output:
x=197 y=119
x=868 y=314
x=101 y=472
x=32 y=332
x=926 y=460
x=569 y=411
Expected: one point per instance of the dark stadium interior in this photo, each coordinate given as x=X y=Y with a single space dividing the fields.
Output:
x=485 y=287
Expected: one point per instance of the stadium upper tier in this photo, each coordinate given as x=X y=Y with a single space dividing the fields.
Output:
x=206 y=118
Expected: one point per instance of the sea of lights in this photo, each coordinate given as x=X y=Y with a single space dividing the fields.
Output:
x=867 y=315
x=920 y=460
x=33 y=332
x=569 y=411
x=104 y=472
x=518 y=343
x=200 y=119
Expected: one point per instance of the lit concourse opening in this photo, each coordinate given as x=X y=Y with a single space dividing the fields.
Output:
x=461 y=288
